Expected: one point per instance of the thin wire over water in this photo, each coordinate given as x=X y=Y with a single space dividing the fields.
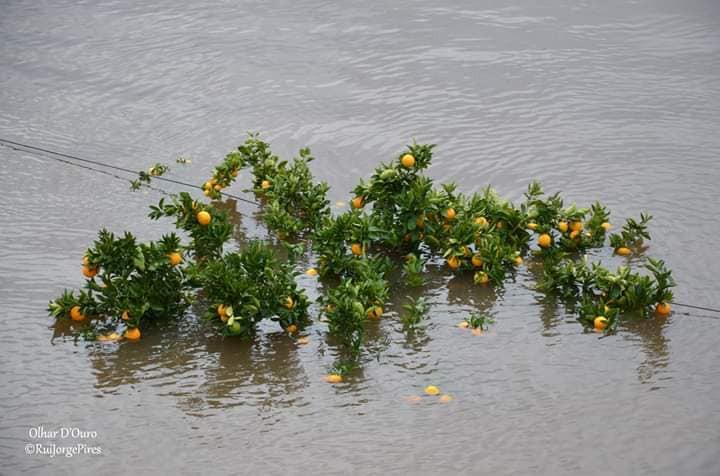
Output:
x=30 y=148
x=34 y=149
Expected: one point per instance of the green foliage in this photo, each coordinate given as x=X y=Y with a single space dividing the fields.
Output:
x=415 y=311
x=296 y=202
x=632 y=233
x=207 y=240
x=254 y=285
x=479 y=321
x=602 y=291
x=362 y=289
x=144 y=178
x=396 y=211
x=136 y=279
x=413 y=271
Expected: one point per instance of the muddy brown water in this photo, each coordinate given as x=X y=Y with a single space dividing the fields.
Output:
x=610 y=101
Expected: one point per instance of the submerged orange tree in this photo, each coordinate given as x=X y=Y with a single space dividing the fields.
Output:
x=398 y=218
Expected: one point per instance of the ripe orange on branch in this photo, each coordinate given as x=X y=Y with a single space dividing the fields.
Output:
x=203 y=218
x=76 y=315
x=89 y=272
x=408 y=161
x=175 y=258
x=544 y=240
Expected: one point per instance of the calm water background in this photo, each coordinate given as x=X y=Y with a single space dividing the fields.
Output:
x=614 y=101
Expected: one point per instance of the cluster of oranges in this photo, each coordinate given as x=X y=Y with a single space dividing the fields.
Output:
x=217 y=183
x=441 y=217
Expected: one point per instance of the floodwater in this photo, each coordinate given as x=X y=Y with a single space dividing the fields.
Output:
x=611 y=101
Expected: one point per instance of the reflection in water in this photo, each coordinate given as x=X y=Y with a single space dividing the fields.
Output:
x=462 y=290
x=549 y=312
x=265 y=372
x=229 y=206
x=654 y=345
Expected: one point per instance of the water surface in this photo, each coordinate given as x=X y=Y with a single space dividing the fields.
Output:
x=610 y=101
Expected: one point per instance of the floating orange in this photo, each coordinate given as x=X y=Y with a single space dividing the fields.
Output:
x=663 y=308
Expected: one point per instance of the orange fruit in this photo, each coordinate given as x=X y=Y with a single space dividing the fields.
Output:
x=265 y=184
x=333 y=378
x=203 y=218
x=375 y=312
x=606 y=226
x=544 y=240
x=453 y=262
x=532 y=225
x=574 y=234
x=221 y=310
x=86 y=261
x=125 y=316
x=292 y=329
x=450 y=213
x=89 y=272
x=175 y=258
x=356 y=249
x=446 y=398
x=476 y=261
x=518 y=260
x=481 y=221
x=408 y=161
x=207 y=192
x=463 y=325
x=289 y=303
x=663 y=308
x=312 y=272
x=477 y=331
x=623 y=251
x=75 y=314
x=432 y=390
x=481 y=277
x=112 y=337
x=357 y=202
x=218 y=187
x=132 y=334
x=562 y=226
x=576 y=226
x=234 y=173
x=600 y=323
